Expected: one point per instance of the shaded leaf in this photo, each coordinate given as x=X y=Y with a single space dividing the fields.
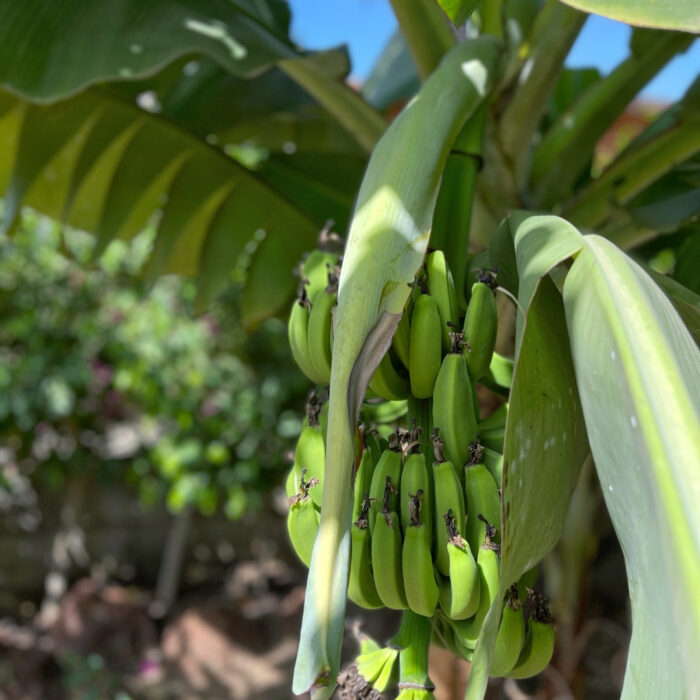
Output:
x=105 y=166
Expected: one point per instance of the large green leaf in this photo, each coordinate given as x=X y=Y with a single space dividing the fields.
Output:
x=49 y=50
x=638 y=373
x=664 y=14
x=387 y=241
x=104 y=165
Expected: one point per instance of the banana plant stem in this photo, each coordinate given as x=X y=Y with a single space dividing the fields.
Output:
x=414 y=639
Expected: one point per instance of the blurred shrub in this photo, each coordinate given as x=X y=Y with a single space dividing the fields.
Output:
x=99 y=373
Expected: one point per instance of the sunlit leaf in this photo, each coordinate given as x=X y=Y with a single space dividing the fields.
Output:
x=638 y=373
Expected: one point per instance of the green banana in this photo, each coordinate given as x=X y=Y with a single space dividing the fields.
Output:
x=493 y=438
x=401 y=342
x=482 y=499
x=416 y=477
x=297 y=332
x=510 y=638
x=379 y=666
x=480 y=325
x=320 y=329
x=383 y=412
x=313 y=269
x=302 y=519
x=460 y=593
x=442 y=289
x=493 y=461
x=385 y=478
x=361 y=588
x=488 y=565
x=425 y=351
x=449 y=496
x=387 y=383
x=497 y=419
x=453 y=404
x=310 y=451
x=363 y=480
x=539 y=641
x=386 y=560
x=417 y=563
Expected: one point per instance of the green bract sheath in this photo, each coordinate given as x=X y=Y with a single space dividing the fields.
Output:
x=386 y=244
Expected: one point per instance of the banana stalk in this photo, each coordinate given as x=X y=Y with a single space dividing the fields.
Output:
x=386 y=244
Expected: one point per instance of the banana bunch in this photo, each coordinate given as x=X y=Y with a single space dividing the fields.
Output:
x=426 y=516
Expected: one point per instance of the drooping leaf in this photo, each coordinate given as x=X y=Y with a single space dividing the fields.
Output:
x=387 y=241
x=104 y=165
x=683 y=15
x=638 y=373
x=545 y=443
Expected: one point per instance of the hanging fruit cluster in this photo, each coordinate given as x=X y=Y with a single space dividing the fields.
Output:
x=426 y=516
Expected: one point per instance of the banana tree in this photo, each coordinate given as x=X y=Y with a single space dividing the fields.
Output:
x=207 y=116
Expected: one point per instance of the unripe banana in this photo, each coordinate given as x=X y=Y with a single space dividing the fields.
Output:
x=442 y=289
x=387 y=383
x=375 y=443
x=401 y=342
x=310 y=452
x=313 y=270
x=488 y=565
x=493 y=461
x=539 y=642
x=425 y=351
x=319 y=331
x=453 y=405
x=482 y=498
x=297 y=332
x=449 y=496
x=480 y=326
x=510 y=638
x=388 y=467
x=415 y=477
x=363 y=479
x=419 y=579
x=302 y=519
x=378 y=666
x=361 y=588
x=497 y=419
x=493 y=438
x=460 y=593
x=386 y=560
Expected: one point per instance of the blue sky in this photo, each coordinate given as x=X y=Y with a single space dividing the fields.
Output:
x=366 y=26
